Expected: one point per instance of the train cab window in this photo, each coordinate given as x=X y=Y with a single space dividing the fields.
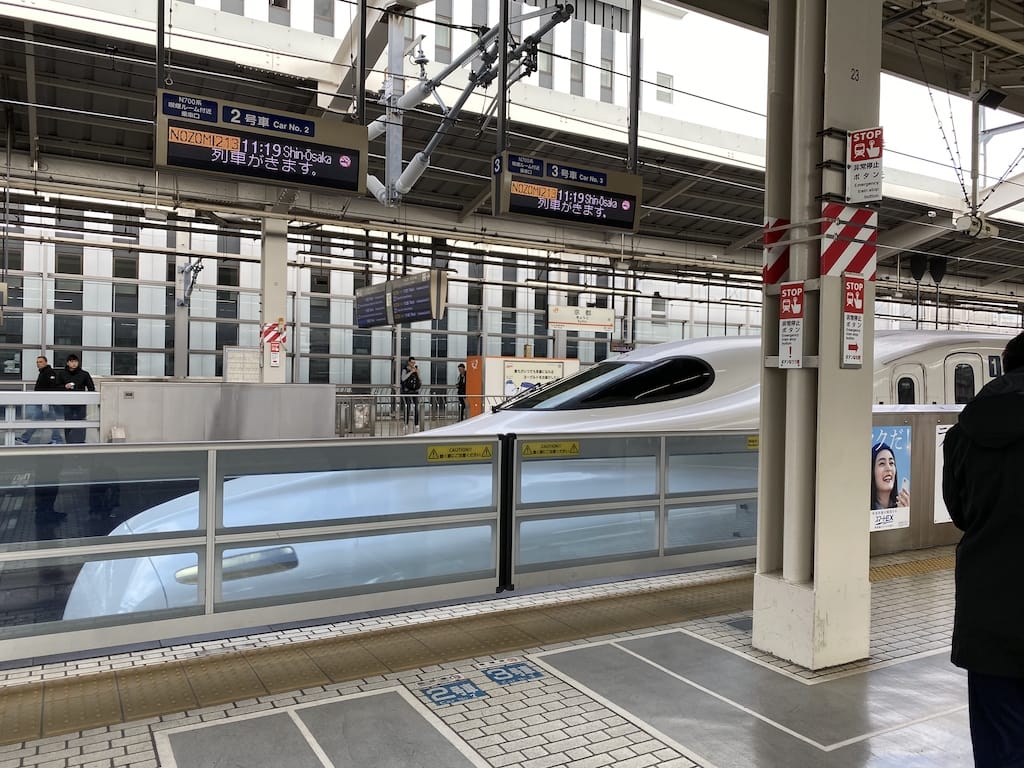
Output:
x=963 y=383
x=905 y=394
x=610 y=384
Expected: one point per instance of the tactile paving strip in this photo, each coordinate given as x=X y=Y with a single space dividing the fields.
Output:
x=70 y=705
x=912 y=568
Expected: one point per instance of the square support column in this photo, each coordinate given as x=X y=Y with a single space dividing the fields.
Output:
x=274 y=294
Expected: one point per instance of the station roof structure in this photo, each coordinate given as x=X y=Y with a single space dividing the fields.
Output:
x=82 y=90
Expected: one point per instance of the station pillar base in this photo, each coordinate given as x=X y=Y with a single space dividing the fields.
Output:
x=810 y=624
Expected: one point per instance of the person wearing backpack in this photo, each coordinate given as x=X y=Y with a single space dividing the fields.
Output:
x=410 y=390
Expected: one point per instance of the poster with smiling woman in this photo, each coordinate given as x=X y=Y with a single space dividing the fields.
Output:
x=890 y=478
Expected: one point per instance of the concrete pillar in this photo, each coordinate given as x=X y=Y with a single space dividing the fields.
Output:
x=770 y=508
x=814 y=606
x=182 y=243
x=274 y=294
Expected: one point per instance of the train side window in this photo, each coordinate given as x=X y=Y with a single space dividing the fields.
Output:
x=905 y=394
x=963 y=383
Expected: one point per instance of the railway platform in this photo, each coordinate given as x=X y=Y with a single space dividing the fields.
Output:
x=647 y=672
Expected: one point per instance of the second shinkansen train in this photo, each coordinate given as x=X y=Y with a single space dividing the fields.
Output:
x=698 y=384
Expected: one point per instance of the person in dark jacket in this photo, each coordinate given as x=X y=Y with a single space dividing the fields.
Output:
x=409 y=389
x=460 y=390
x=983 y=487
x=74 y=378
x=46 y=381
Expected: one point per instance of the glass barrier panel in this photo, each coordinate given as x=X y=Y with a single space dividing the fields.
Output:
x=294 y=495
x=702 y=525
x=47 y=590
x=711 y=471
x=314 y=569
x=559 y=480
x=555 y=541
x=63 y=494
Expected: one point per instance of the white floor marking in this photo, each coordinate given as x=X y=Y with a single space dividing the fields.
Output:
x=166 y=752
x=310 y=739
x=625 y=714
x=723 y=699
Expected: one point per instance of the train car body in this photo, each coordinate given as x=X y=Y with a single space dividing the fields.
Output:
x=714 y=383
x=696 y=384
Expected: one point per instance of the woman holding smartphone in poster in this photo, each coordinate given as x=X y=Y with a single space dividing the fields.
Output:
x=886 y=490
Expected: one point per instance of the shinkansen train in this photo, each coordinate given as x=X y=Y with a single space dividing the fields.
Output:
x=695 y=384
x=714 y=383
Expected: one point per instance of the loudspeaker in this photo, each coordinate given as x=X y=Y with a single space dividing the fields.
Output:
x=990 y=97
x=937 y=268
x=918 y=265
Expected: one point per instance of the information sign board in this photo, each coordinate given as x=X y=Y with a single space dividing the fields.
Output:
x=853 y=321
x=600 y=319
x=225 y=138
x=371 y=306
x=566 y=193
x=791 y=325
x=864 y=166
x=410 y=299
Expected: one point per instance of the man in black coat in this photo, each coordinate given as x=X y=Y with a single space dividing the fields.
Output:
x=74 y=378
x=460 y=390
x=46 y=381
x=983 y=487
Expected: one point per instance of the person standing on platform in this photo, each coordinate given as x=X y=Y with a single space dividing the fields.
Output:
x=983 y=487
x=460 y=390
x=74 y=378
x=410 y=391
x=46 y=381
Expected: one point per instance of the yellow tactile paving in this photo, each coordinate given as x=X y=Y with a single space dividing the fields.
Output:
x=285 y=669
x=21 y=714
x=149 y=691
x=542 y=625
x=78 y=703
x=449 y=641
x=344 y=659
x=501 y=636
x=399 y=650
x=912 y=568
x=221 y=678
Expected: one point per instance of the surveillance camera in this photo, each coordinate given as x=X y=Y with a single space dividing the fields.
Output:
x=932 y=214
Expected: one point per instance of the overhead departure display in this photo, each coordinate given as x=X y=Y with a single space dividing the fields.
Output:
x=215 y=136
x=410 y=299
x=371 y=306
x=538 y=187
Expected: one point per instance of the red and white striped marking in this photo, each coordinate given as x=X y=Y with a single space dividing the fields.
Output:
x=776 y=257
x=270 y=334
x=848 y=238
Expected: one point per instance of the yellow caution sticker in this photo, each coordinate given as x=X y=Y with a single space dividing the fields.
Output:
x=546 y=449
x=439 y=453
x=753 y=442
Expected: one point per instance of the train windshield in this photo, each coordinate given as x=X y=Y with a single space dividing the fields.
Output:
x=614 y=383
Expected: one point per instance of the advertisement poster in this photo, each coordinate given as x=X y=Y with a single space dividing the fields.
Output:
x=941 y=514
x=890 y=478
x=521 y=375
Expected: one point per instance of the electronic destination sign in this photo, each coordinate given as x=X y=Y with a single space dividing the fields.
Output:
x=215 y=136
x=538 y=187
x=412 y=298
x=408 y=299
x=371 y=306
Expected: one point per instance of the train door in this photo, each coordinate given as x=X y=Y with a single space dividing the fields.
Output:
x=964 y=376
x=907 y=385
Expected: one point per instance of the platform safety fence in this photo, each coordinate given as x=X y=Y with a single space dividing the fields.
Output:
x=106 y=544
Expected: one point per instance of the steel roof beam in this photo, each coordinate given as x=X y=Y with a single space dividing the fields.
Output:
x=31 y=96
